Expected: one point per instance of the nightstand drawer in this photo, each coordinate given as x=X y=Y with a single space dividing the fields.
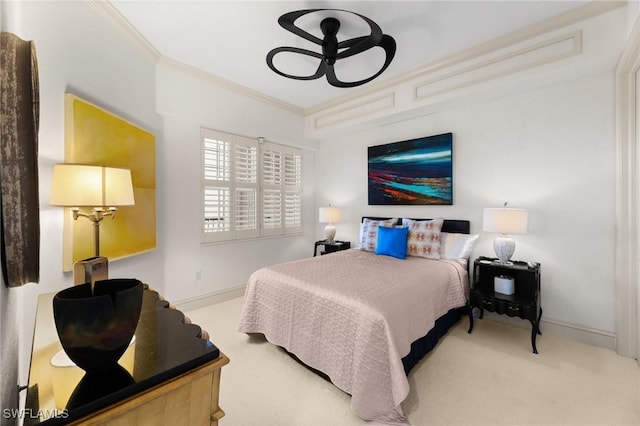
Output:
x=498 y=306
x=507 y=308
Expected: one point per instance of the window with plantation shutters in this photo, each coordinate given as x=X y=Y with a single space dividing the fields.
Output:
x=250 y=188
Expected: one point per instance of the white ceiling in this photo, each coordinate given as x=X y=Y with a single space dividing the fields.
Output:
x=230 y=39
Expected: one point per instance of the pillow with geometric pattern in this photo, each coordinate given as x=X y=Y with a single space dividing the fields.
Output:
x=369 y=232
x=424 y=237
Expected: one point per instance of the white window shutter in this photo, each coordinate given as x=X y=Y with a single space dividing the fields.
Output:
x=271 y=166
x=216 y=189
x=272 y=211
x=293 y=191
x=249 y=188
x=217 y=159
x=245 y=163
x=282 y=189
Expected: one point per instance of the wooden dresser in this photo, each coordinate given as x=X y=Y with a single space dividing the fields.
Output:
x=170 y=375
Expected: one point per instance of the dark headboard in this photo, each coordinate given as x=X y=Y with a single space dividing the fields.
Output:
x=449 y=225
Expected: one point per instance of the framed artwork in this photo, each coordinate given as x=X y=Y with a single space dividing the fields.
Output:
x=96 y=136
x=417 y=171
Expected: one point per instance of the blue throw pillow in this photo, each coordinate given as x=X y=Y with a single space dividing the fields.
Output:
x=392 y=241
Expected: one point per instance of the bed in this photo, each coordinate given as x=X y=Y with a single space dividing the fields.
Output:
x=362 y=319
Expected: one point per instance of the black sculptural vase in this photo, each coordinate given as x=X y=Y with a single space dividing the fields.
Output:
x=95 y=327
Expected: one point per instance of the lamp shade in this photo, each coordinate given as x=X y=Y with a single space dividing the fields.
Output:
x=79 y=185
x=505 y=220
x=329 y=215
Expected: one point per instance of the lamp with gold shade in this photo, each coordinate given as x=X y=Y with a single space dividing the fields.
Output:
x=98 y=188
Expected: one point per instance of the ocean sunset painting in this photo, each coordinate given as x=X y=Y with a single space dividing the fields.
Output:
x=416 y=171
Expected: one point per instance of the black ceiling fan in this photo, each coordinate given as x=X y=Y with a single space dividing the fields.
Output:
x=332 y=49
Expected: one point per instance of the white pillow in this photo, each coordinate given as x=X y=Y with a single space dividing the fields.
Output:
x=457 y=246
x=369 y=232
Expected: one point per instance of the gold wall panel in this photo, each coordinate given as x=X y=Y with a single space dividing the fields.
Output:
x=96 y=136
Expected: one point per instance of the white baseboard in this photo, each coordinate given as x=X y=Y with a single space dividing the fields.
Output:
x=211 y=298
x=591 y=336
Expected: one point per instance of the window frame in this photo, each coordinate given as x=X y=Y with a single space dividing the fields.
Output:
x=284 y=179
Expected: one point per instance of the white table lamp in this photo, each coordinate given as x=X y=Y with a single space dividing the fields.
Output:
x=505 y=221
x=329 y=215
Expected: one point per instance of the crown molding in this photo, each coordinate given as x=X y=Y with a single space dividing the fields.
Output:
x=228 y=84
x=574 y=16
x=120 y=23
x=501 y=63
x=363 y=108
x=427 y=93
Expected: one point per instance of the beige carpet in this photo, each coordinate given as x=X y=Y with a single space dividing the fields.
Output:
x=489 y=377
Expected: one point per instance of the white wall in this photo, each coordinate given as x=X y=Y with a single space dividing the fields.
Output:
x=549 y=150
x=79 y=52
x=188 y=102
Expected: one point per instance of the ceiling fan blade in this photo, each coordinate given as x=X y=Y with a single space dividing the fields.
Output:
x=319 y=72
x=351 y=42
x=389 y=46
x=287 y=21
x=333 y=80
x=354 y=46
x=360 y=44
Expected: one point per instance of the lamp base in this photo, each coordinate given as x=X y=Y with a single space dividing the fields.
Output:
x=91 y=270
x=504 y=247
x=330 y=232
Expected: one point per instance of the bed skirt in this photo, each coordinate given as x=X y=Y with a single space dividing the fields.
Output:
x=423 y=345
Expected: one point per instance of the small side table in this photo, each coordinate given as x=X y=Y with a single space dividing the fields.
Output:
x=330 y=246
x=524 y=303
x=169 y=361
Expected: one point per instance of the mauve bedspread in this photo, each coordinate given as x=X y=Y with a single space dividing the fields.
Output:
x=353 y=315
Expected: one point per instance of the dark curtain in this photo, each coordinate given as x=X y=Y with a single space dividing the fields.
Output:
x=19 y=114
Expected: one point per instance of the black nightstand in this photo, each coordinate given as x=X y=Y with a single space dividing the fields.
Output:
x=330 y=246
x=523 y=303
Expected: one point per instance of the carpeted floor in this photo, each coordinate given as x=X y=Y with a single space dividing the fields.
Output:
x=489 y=377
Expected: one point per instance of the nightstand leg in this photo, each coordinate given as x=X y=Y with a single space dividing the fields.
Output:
x=539 y=316
x=534 y=334
x=470 y=313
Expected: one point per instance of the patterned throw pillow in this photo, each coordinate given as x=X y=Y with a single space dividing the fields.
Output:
x=369 y=232
x=424 y=237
